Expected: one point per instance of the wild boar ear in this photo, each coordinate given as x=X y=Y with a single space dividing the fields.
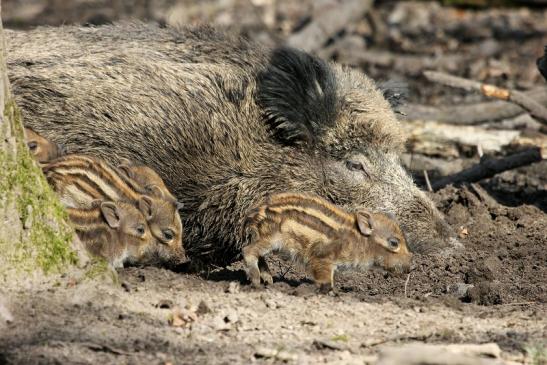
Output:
x=145 y=206
x=110 y=213
x=298 y=94
x=364 y=222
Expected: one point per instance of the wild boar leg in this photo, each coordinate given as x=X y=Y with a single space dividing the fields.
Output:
x=323 y=275
x=265 y=273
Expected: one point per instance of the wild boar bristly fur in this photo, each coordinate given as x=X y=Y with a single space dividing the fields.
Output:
x=223 y=121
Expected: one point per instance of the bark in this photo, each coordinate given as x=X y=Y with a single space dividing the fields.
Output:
x=35 y=238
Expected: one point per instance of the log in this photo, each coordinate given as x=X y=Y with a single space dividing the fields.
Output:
x=489 y=167
x=471 y=114
x=412 y=65
x=537 y=110
x=330 y=19
x=438 y=139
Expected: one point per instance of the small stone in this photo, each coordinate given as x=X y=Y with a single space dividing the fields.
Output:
x=126 y=286
x=203 y=308
x=459 y=290
x=265 y=352
x=286 y=356
x=233 y=287
x=270 y=303
x=5 y=314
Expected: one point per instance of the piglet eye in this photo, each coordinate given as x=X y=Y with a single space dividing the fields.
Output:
x=32 y=145
x=168 y=234
x=393 y=243
x=140 y=229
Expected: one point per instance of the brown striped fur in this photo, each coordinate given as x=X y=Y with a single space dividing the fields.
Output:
x=40 y=148
x=323 y=237
x=81 y=179
x=145 y=178
x=116 y=231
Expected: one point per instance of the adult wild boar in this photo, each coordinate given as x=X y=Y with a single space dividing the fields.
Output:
x=223 y=121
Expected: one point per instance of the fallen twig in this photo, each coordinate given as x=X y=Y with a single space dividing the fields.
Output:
x=490 y=167
x=406 y=284
x=480 y=152
x=427 y=182
x=536 y=109
x=469 y=114
x=330 y=20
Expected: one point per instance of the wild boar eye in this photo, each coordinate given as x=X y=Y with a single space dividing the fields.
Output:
x=393 y=243
x=32 y=145
x=356 y=166
x=168 y=234
x=140 y=229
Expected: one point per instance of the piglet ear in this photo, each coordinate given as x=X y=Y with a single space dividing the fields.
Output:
x=180 y=205
x=126 y=170
x=126 y=161
x=110 y=213
x=145 y=206
x=391 y=216
x=364 y=222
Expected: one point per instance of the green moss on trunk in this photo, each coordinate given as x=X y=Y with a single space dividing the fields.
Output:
x=45 y=242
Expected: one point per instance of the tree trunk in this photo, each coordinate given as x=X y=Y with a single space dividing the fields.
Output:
x=35 y=238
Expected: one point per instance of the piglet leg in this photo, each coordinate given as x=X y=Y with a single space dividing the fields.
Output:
x=265 y=273
x=251 y=257
x=323 y=274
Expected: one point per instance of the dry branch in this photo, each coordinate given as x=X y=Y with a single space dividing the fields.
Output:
x=472 y=113
x=536 y=110
x=412 y=65
x=490 y=167
x=330 y=20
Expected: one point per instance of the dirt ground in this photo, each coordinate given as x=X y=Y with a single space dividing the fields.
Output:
x=493 y=289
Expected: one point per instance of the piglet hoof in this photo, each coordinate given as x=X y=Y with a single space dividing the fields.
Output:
x=266 y=278
x=254 y=277
x=326 y=289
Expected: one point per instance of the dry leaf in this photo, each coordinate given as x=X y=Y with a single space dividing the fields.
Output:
x=182 y=318
x=463 y=232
